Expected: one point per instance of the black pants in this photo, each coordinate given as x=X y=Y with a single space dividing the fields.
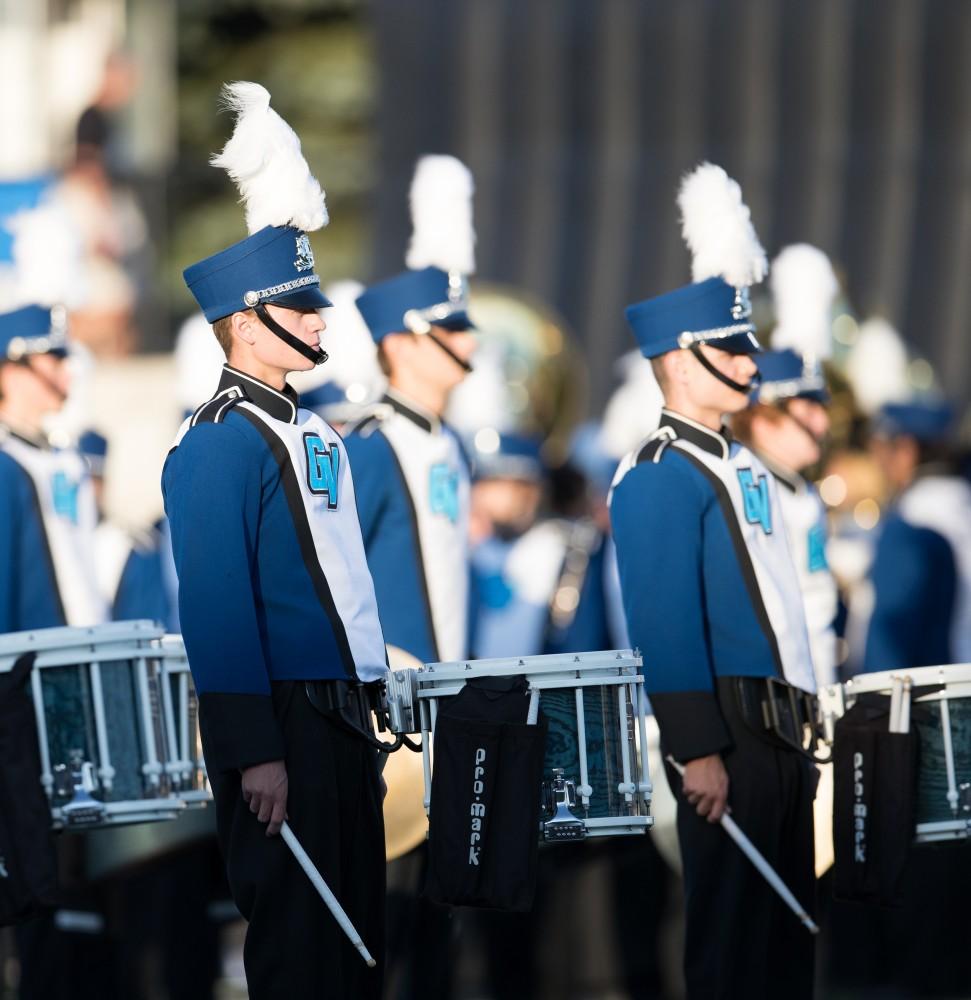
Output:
x=294 y=948
x=740 y=939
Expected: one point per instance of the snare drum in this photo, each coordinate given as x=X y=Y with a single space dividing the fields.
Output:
x=937 y=702
x=99 y=698
x=596 y=778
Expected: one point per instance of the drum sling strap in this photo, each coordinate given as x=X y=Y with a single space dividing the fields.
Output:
x=28 y=870
x=874 y=802
x=486 y=794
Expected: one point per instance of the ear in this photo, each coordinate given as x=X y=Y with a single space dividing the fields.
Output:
x=676 y=365
x=243 y=326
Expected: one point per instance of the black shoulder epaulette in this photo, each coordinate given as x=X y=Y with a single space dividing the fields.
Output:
x=366 y=426
x=215 y=410
x=653 y=450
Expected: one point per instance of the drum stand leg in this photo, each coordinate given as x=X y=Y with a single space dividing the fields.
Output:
x=952 y=784
x=105 y=771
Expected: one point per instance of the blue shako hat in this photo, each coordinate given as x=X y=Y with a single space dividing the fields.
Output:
x=929 y=421
x=508 y=455
x=434 y=290
x=709 y=311
x=94 y=450
x=727 y=259
x=283 y=203
x=786 y=375
x=274 y=265
x=33 y=330
x=414 y=301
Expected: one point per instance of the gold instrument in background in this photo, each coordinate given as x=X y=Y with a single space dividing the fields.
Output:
x=528 y=373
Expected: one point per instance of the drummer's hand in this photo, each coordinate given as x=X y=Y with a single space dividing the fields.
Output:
x=705 y=786
x=265 y=791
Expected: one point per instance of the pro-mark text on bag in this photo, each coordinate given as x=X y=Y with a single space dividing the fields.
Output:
x=478 y=807
x=859 y=811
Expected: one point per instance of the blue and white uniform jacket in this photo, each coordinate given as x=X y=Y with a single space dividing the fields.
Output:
x=273 y=581
x=804 y=514
x=547 y=591
x=708 y=583
x=47 y=522
x=920 y=579
x=413 y=501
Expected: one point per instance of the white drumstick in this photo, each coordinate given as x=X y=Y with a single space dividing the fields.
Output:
x=310 y=869
x=764 y=868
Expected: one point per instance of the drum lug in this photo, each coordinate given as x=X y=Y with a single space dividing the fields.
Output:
x=559 y=796
x=77 y=781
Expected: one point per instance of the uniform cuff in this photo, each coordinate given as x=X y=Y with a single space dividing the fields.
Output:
x=691 y=724
x=239 y=730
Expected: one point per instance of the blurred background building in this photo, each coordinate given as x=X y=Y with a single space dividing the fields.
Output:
x=845 y=121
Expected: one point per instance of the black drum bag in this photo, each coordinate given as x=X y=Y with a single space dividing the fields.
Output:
x=486 y=797
x=28 y=867
x=874 y=803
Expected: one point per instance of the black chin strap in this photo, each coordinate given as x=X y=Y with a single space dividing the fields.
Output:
x=744 y=389
x=316 y=355
x=464 y=365
x=43 y=379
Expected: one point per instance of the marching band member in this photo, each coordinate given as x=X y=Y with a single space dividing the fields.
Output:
x=277 y=605
x=539 y=583
x=47 y=503
x=712 y=599
x=47 y=571
x=920 y=578
x=414 y=502
x=414 y=489
x=786 y=427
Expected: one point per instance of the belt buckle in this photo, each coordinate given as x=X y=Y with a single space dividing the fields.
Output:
x=782 y=694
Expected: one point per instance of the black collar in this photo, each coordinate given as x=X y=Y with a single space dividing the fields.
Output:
x=792 y=481
x=417 y=414
x=279 y=405
x=717 y=443
x=34 y=442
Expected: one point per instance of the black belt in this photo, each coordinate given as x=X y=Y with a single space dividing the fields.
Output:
x=349 y=704
x=771 y=706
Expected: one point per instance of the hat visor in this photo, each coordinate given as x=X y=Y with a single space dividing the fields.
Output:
x=737 y=343
x=456 y=322
x=308 y=297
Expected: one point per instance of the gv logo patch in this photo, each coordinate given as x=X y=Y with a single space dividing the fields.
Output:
x=305 y=255
x=443 y=491
x=323 y=466
x=755 y=495
x=817 y=549
x=65 y=495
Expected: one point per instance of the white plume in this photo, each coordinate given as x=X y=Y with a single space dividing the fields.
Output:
x=634 y=410
x=803 y=287
x=48 y=258
x=441 y=216
x=199 y=362
x=717 y=226
x=263 y=158
x=877 y=366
